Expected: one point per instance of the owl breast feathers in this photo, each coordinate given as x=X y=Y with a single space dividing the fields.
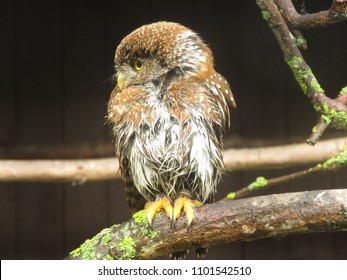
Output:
x=168 y=113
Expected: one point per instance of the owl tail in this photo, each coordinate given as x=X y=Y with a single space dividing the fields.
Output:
x=135 y=200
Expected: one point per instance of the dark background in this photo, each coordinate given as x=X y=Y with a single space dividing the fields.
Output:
x=56 y=64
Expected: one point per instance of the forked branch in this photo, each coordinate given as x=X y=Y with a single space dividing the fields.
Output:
x=336 y=13
x=332 y=112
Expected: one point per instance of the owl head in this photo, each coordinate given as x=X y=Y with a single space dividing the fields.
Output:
x=159 y=50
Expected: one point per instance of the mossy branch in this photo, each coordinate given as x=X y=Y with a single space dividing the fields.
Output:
x=333 y=112
x=220 y=223
x=332 y=164
x=336 y=13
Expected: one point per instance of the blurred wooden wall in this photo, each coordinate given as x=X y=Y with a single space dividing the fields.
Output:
x=56 y=65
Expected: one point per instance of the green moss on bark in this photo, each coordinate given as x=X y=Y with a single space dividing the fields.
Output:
x=260 y=182
x=128 y=247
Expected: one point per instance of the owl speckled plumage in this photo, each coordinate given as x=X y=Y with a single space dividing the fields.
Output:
x=168 y=113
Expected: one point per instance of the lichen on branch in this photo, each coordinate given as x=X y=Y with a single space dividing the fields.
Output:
x=121 y=241
x=220 y=223
x=333 y=112
x=332 y=164
x=336 y=13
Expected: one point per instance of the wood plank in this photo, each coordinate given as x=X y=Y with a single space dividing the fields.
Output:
x=337 y=58
x=7 y=221
x=39 y=222
x=40 y=70
x=340 y=246
x=266 y=249
x=39 y=207
x=87 y=208
x=316 y=246
x=262 y=97
x=86 y=213
x=8 y=75
x=8 y=135
x=86 y=93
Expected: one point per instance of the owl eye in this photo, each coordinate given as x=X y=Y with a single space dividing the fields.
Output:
x=138 y=65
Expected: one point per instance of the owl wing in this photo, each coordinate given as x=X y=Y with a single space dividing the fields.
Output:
x=119 y=110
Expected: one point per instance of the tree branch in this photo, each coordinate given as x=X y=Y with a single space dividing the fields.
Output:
x=80 y=171
x=58 y=171
x=219 y=223
x=336 y=13
x=332 y=164
x=106 y=149
x=332 y=111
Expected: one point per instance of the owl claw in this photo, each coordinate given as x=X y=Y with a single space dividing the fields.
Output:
x=155 y=206
x=184 y=203
x=150 y=220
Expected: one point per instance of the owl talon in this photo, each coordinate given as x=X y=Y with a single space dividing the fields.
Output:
x=155 y=206
x=150 y=220
x=184 y=203
x=201 y=253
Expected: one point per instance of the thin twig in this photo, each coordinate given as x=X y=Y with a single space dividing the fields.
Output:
x=317 y=131
x=332 y=164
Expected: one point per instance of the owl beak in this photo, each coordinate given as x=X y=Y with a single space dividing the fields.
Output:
x=120 y=80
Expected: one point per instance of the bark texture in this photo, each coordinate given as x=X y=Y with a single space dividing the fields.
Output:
x=225 y=221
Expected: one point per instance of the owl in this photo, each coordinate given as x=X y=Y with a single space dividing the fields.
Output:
x=168 y=114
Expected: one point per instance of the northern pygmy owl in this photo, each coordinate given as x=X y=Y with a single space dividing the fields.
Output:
x=168 y=114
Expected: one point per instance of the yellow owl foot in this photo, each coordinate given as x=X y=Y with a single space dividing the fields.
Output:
x=183 y=202
x=154 y=207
